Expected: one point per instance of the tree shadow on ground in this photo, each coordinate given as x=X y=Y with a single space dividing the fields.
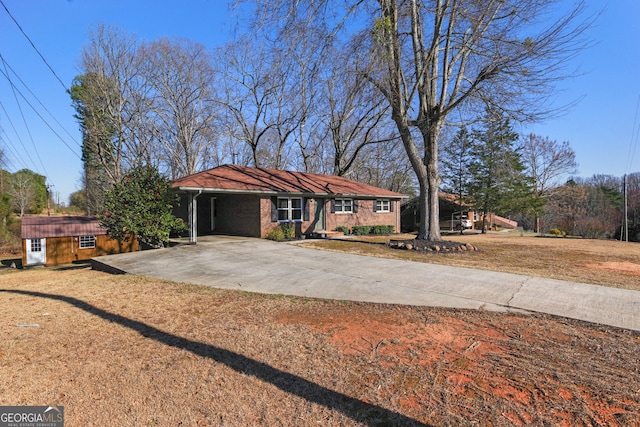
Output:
x=75 y=265
x=353 y=408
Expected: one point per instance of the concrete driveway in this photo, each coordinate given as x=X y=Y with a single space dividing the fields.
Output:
x=258 y=265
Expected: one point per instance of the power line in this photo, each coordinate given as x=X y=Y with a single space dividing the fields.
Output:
x=16 y=152
x=33 y=45
x=635 y=135
x=39 y=115
x=20 y=140
x=6 y=64
x=26 y=125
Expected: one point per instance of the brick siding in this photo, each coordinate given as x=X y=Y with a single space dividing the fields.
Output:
x=364 y=216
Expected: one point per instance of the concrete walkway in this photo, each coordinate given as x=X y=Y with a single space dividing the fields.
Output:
x=263 y=266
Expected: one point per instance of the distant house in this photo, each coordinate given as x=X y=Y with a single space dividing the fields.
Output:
x=53 y=240
x=247 y=201
x=449 y=207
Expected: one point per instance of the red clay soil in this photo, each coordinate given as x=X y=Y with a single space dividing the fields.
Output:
x=626 y=267
x=451 y=367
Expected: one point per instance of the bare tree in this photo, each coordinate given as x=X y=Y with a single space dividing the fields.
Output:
x=355 y=116
x=22 y=192
x=180 y=76
x=111 y=71
x=440 y=56
x=254 y=94
x=430 y=58
x=546 y=162
x=385 y=165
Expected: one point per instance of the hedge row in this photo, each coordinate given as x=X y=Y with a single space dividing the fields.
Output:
x=363 y=230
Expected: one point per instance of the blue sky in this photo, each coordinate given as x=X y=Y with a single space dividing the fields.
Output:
x=600 y=128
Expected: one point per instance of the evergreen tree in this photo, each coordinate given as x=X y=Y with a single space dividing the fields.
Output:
x=499 y=184
x=141 y=205
x=98 y=133
x=455 y=163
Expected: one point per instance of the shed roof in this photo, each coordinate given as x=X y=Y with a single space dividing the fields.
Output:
x=243 y=179
x=35 y=227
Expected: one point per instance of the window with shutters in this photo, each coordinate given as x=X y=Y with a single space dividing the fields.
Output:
x=343 y=205
x=289 y=209
x=382 y=206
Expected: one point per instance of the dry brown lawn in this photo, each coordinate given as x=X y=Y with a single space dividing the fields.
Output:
x=599 y=262
x=135 y=351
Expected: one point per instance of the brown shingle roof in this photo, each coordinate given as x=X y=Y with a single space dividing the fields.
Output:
x=242 y=179
x=34 y=227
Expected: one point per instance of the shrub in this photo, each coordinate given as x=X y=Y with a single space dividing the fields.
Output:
x=141 y=205
x=343 y=229
x=382 y=229
x=277 y=234
x=361 y=230
x=557 y=232
x=594 y=229
x=288 y=230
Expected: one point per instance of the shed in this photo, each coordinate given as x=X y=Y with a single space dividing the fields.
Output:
x=53 y=240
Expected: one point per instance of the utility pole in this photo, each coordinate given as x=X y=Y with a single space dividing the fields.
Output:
x=48 y=200
x=625 y=224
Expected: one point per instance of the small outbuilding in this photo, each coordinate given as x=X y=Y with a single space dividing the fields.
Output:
x=246 y=201
x=54 y=240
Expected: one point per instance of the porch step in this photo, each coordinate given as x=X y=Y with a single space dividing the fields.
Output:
x=325 y=234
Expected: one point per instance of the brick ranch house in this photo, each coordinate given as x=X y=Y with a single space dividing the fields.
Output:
x=53 y=240
x=240 y=200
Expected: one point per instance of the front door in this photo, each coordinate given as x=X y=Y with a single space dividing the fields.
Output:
x=318 y=218
x=36 y=251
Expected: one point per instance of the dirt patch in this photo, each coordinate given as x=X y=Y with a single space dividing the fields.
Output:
x=495 y=370
x=625 y=267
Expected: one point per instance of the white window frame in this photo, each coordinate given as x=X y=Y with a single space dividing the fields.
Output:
x=340 y=206
x=36 y=245
x=87 y=242
x=287 y=212
x=380 y=205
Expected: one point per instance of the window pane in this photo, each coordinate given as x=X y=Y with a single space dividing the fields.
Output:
x=296 y=203
x=283 y=215
x=35 y=245
x=347 y=205
x=283 y=203
x=338 y=205
x=87 y=242
x=296 y=214
x=382 y=205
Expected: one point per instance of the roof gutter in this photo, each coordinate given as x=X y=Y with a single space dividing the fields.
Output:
x=278 y=193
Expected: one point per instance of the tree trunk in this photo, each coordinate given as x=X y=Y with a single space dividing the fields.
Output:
x=428 y=180
x=432 y=231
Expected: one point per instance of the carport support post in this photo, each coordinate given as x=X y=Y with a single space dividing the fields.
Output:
x=193 y=217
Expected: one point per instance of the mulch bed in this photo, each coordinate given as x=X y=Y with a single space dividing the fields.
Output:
x=440 y=246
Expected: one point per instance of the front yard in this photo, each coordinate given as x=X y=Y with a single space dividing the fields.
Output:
x=128 y=350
